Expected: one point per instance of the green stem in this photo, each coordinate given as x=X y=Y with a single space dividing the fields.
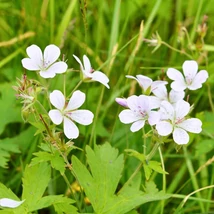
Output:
x=164 y=179
x=174 y=49
x=77 y=86
x=153 y=151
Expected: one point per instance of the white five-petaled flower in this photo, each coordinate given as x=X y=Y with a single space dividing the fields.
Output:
x=45 y=63
x=89 y=73
x=67 y=112
x=138 y=113
x=191 y=79
x=146 y=83
x=161 y=94
x=10 y=203
x=173 y=121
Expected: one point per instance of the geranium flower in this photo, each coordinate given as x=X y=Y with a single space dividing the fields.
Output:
x=161 y=94
x=191 y=79
x=147 y=84
x=10 y=203
x=67 y=112
x=45 y=63
x=138 y=113
x=89 y=74
x=173 y=121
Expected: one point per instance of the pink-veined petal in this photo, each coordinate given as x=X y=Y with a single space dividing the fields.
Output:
x=143 y=103
x=76 y=100
x=55 y=116
x=47 y=74
x=161 y=92
x=87 y=64
x=58 y=67
x=100 y=77
x=145 y=82
x=180 y=136
x=51 y=54
x=30 y=64
x=10 y=203
x=191 y=125
x=154 y=117
x=190 y=68
x=182 y=108
x=84 y=117
x=166 y=110
x=132 y=102
x=35 y=53
x=200 y=78
x=70 y=129
x=156 y=84
x=175 y=96
x=127 y=116
x=57 y=99
x=136 y=126
x=164 y=128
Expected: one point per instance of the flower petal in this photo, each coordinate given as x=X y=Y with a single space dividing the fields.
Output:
x=57 y=99
x=7 y=202
x=145 y=82
x=175 y=96
x=87 y=64
x=100 y=77
x=178 y=85
x=161 y=92
x=51 y=54
x=156 y=84
x=79 y=61
x=30 y=64
x=154 y=117
x=76 y=100
x=35 y=53
x=166 y=110
x=127 y=116
x=182 y=108
x=164 y=128
x=84 y=117
x=136 y=126
x=200 y=78
x=55 y=116
x=59 y=67
x=190 y=68
x=191 y=125
x=122 y=102
x=180 y=136
x=70 y=129
x=47 y=74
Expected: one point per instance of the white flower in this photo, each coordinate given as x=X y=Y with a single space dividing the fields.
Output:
x=147 y=84
x=67 y=112
x=7 y=202
x=90 y=74
x=122 y=102
x=191 y=79
x=46 y=63
x=173 y=121
x=161 y=94
x=138 y=113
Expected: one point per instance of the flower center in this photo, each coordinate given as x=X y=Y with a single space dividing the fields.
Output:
x=44 y=65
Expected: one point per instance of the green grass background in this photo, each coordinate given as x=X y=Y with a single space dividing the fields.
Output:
x=108 y=32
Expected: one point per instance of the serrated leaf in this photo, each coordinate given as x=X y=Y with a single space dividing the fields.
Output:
x=55 y=200
x=58 y=163
x=35 y=181
x=136 y=154
x=100 y=185
x=147 y=171
x=40 y=157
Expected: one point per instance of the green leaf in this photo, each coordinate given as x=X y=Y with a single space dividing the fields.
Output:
x=35 y=181
x=156 y=166
x=100 y=185
x=55 y=159
x=136 y=154
x=8 y=103
x=60 y=203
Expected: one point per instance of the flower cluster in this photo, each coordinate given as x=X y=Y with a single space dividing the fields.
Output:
x=168 y=112
x=47 y=65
